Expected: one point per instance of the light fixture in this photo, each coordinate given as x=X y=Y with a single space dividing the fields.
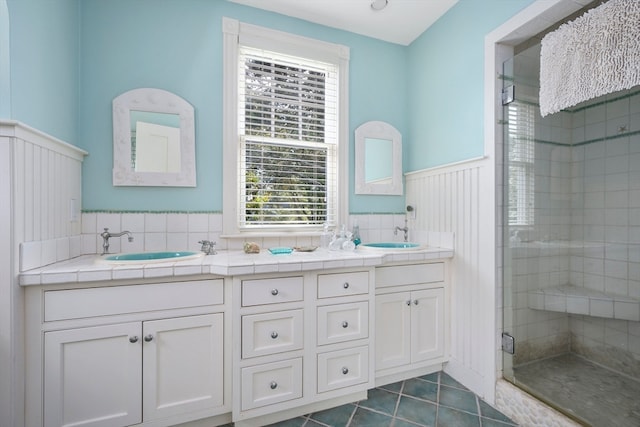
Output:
x=379 y=4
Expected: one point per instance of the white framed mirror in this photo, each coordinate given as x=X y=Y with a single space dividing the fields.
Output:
x=378 y=159
x=153 y=139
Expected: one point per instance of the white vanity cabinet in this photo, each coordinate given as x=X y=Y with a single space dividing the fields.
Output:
x=148 y=354
x=303 y=343
x=411 y=320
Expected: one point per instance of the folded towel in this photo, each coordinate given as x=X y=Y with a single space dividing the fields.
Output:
x=596 y=54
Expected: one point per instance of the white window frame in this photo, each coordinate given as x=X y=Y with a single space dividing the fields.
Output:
x=235 y=34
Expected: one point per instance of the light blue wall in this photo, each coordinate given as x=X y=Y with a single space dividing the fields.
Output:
x=176 y=45
x=43 y=66
x=70 y=58
x=446 y=71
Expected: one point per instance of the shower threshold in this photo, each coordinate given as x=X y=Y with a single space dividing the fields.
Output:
x=587 y=392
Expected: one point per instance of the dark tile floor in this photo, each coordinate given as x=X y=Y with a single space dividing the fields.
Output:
x=434 y=400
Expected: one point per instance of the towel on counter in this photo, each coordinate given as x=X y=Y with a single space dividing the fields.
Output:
x=596 y=54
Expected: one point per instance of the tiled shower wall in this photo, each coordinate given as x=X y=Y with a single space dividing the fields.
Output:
x=586 y=233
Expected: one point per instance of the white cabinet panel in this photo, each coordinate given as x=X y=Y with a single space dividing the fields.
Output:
x=393 y=330
x=343 y=284
x=273 y=332
x=92 y=376
x=409 y=274
x=271 y=383
x=272 y=291
x=343 y=322
x=409 y=327
x=427 y=324
x=183 y=365
x=344 y=368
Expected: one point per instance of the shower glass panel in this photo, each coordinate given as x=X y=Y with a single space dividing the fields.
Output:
x=571 y=257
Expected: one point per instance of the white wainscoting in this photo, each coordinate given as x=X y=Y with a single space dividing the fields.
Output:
x=460 y=198
x=39 y=177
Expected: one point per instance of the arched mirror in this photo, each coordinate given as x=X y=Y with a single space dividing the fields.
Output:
x=378 y=159
x=153 y=139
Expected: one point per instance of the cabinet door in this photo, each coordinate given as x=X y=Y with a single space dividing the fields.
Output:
x=427 y=324
x=183 y=365
x=93 y=376
x=393 y=325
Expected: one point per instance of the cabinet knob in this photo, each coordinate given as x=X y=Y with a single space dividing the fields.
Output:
x=274 y=292
x=345 y=324
x=273 y=385
x=133 y=339
x=274 y=335
x=415 y=302
x=346 y=285
x=408 y=302
x=345 y=370
x=148 y=338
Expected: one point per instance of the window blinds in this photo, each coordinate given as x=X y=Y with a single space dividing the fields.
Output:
x=288 y=127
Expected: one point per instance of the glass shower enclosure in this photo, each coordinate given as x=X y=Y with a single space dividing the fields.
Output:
x=571 y=249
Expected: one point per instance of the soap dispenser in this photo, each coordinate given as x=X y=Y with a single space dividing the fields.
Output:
x=356 y=235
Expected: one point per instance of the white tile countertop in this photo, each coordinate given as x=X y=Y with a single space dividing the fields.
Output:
x=91 y=268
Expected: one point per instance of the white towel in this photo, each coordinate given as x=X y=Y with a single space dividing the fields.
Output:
x=596 y=54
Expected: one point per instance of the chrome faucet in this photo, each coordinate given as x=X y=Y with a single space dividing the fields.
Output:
x=105 y=239
x=404 y=229
x=208 y=247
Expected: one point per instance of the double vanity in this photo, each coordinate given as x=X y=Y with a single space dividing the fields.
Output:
x=252 y=339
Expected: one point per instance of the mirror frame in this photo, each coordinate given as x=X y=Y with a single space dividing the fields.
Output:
x=155 y=101
x=378 y=130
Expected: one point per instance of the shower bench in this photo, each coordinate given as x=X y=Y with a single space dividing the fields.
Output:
x=579 y=300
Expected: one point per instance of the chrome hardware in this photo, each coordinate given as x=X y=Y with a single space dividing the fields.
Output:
x=415 y=302
x=273 y=385
x=408 y=302
x=148 y=338
x=346 y=285
x=106 y=235
x=345 y=370
x=345 y=324
x=208 y=247
x=133 y=339
x=274 y=292
x=274 y=335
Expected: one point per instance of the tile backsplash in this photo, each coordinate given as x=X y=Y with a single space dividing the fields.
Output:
x=183 y=231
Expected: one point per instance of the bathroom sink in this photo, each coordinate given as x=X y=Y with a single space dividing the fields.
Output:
x=149 y=257
x=392 y=246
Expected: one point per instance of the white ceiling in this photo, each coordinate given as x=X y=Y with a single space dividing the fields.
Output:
x=401 y=22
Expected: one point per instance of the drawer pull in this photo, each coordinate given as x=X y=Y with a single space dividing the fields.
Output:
x=133 y=339
x=346 y=285
x=415 y=302
x=148 y=338
x=345 y=370
x=345 y=324
x=273 y=385
x=274 y=335
x=274 y=292
x=408 y=302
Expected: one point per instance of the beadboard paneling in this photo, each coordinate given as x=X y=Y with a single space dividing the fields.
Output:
x=459 y=199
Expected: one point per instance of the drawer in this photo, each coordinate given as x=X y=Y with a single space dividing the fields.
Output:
x=398 y=275
x=272 y=291
x=91 y=302
x=343 y=322
x=271 y=383
x=343 y=368
x=342 y=284
x=270 y=333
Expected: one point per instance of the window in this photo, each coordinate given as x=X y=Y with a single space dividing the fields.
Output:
x=521 y=156
x=285 y=123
